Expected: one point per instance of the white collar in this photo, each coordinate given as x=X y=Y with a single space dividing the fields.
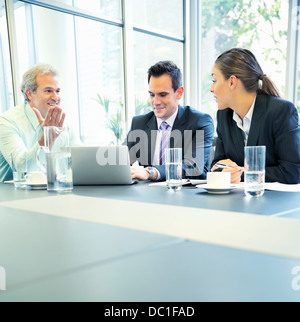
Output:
x=170 y=120
x=246 y=122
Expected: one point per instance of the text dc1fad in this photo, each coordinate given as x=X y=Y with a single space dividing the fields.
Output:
x=151 y=312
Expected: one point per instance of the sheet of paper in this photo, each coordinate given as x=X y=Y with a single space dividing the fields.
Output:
x=282 y=187
x=184 y=182
x=136 y=164
x=11 y=181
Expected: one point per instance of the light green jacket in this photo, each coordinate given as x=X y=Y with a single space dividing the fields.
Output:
x=19 y=134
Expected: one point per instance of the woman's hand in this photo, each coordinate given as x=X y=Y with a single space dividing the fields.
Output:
x=235 y=170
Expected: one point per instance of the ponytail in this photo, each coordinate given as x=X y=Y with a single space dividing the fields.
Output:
x=268 y=86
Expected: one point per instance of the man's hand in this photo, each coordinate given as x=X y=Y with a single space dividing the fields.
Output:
x=235 y=170
x=54 y=117
x=141 y=173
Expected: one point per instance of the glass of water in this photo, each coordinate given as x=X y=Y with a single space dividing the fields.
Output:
x=173 y=163
x=19 y=173
x=59 y=171
x=255 y=163
x=58 y=159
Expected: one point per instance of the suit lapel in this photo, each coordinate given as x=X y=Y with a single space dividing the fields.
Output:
x=237 y=138
x=179 y=125
x=257 y=119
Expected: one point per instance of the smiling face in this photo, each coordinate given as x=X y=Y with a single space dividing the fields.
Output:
x=46 y=95
x=164 y=100
x=221 y=89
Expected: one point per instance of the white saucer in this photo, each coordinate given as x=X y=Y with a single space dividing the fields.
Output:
x=37 y=186
x=217 y=191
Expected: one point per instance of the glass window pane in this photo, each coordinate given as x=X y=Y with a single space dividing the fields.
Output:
x=166 y=15
x=109 y=8
x=88 y=56
x=57 y=51
x=48 y=44
x=100 y=71
x=247 y=24
x=148 y=50
x=6 y=90
x=26 y=52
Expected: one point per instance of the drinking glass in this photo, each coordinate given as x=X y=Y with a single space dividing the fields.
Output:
x=173 y=163
x=255 y=162
x=58 y=159
x=19 y=173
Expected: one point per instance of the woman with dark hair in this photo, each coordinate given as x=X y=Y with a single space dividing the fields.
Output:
x=250 y=112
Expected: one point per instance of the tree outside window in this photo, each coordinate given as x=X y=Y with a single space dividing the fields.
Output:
x=258 y=25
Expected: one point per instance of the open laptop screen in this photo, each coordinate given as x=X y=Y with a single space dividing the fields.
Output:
x=101 y=165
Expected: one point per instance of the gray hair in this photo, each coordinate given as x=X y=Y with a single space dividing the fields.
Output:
x=29 y=78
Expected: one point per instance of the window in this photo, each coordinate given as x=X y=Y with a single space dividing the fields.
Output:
x=253 y=24
x=41 y=40
x=88 y=56
x=108 y=8
x=148 y=51
x=84 y=40
x=103 y=49
x=158 y=36
x=100 y=82
x=166 y=15
x=6 y=90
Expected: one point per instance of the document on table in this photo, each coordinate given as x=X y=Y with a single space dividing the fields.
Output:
x=282 y=187
x=185 y=182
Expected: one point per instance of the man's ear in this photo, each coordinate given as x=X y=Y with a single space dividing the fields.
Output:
x=29 y=94
x=180 y=93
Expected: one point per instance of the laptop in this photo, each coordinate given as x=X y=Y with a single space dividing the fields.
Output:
x=101 y=165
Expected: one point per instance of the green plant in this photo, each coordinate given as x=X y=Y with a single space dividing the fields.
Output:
x=115 y=124
x=142 y=107
x=114 y=116
x=104 y=102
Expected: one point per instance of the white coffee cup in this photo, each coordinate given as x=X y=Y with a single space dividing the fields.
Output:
x=218 y=180
x=36 y=178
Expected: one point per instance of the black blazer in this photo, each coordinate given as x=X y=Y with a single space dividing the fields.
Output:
x=195 y=143
x=274 y=124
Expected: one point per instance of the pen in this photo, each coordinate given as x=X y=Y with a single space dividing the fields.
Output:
x=222 y=166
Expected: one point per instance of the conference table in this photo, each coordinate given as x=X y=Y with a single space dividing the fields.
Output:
x=142 y=243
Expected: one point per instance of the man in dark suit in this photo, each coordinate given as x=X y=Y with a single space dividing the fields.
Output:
x=185 y=128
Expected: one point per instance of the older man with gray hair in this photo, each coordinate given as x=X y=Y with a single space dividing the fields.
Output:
x=21 y=127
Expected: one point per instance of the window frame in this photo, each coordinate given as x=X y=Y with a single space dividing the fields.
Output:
x=191 y=40
x=128 y=28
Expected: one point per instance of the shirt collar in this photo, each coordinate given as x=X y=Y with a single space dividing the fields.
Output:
x=245 y=124
x=31 y=116
x=170 y=120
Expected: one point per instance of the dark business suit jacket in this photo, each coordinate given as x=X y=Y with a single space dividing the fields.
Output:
x=141 y=140
x=274 y=124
